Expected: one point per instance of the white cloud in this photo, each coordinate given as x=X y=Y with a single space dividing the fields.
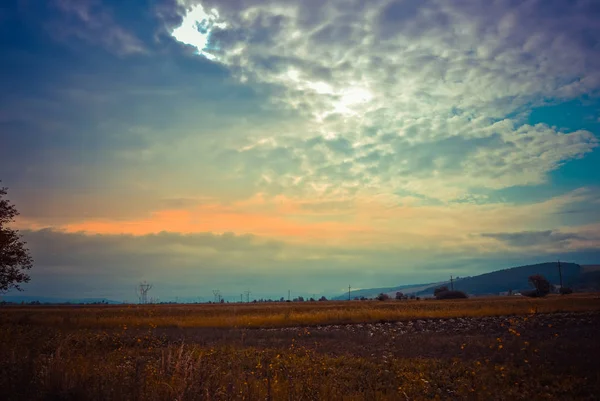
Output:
x=422 y=90
x=196 y=27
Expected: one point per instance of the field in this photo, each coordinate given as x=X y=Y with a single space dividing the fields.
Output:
x=481 y=348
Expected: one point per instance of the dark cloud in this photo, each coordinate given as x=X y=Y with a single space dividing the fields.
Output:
x=534 y=238
x=191 y=265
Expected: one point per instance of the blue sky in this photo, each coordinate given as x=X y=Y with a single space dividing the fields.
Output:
x=275 y=144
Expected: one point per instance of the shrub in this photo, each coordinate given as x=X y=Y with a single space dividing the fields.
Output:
x=440 y=290
x=383 y=297
x=401 y=296
x=566 y=290
x=451 y=295
x=541 y=286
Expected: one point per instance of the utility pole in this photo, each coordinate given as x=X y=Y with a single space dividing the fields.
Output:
x=288 y=295
x=560 y=274
x=241 y=298
x=348 y=292
x=451 y=283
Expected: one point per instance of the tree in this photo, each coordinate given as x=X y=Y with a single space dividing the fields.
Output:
x=444 y=293
x=14 y=255
x=400 y=295
x=452 y=294
x=540 y=284
x=383 y=297
x=439 y=290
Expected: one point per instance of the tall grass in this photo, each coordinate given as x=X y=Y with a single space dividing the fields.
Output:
x=63 y=367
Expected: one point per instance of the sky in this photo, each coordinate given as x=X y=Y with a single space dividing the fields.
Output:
x=297 y=145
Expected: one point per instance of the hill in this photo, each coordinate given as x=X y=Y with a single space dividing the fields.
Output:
x=516 y=278
x=493 y=283
x=373 y=292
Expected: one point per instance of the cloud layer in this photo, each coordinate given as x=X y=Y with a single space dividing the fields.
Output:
x=298 y=143
x=420 y=96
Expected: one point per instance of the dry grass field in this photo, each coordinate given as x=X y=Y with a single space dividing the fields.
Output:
x=282 y=314
x=480 y=349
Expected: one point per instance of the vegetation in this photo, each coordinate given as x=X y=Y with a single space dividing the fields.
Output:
x=14 y=256
x=566 y=290
x=541 y=285
x=284 y=314
x=400 y=296
x=130 y=353
x=383 y=297
x=451 y=295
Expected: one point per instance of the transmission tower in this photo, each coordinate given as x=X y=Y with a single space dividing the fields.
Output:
x=217 y=295
x=247 y=295
x=143 y=289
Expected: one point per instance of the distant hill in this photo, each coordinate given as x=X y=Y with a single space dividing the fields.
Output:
x=17 y=299
x=515 y=278
x=373 y=292
x=589 y=280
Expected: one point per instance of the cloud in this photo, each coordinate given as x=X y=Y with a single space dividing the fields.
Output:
x=398 y=90
x=533 y=238
x=405 y=224
x=91 y=22
x=195 y=28
x=192 y=265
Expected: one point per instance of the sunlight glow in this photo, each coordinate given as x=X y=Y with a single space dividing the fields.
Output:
x=196 y=27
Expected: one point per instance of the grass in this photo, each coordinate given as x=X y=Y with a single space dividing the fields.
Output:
x=288 y=314
x=207 y=352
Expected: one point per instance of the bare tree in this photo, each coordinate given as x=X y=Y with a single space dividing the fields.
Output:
x=14 y=256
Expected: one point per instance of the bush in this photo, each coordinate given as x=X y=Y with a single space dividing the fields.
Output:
x=451 y=295
x=541 y=286
x=383 y=297
x=566 y=290
x=440 y=290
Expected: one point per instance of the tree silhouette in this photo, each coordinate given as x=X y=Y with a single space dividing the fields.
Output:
x=439 y=290
x=14 y=256
x=540 y=284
